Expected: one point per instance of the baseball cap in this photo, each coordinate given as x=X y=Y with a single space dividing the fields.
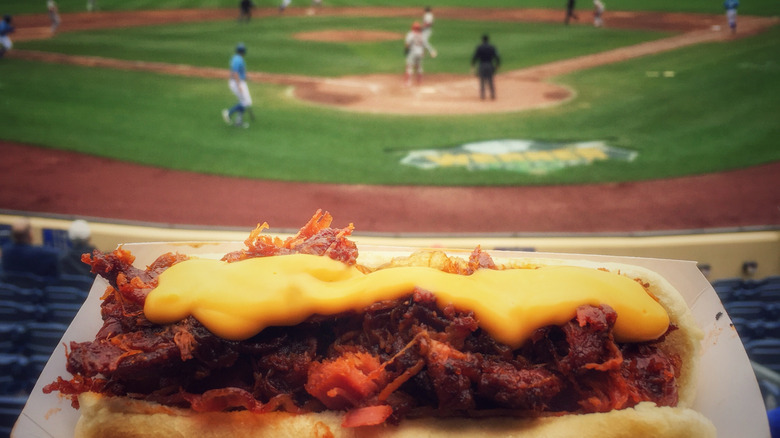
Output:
x=241 y=48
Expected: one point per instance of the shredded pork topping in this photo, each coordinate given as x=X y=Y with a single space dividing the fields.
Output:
x=395 y=359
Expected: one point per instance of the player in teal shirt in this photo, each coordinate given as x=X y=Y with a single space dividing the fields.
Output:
x=6 y=28
x=238 y=86
x=731 y=13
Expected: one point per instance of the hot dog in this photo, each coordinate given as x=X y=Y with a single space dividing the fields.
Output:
x=306 y=337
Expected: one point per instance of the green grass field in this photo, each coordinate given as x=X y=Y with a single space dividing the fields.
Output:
x=754 y=7
x=717 y=112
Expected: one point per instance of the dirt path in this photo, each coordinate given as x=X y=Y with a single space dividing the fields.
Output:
x=41 y=180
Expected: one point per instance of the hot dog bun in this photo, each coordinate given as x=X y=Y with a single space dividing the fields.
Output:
x=123 y=418
x=119 y=417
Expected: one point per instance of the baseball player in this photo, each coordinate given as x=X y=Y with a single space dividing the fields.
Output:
x=54 y=15
x=238 y=86
x=245 y=10
x=415 y=47
x=427 y=23
x=598 y=12
x=731 y=13
x=570 y=7
x=6 y=28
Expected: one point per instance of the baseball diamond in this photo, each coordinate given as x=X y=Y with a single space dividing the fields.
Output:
x=592 y=208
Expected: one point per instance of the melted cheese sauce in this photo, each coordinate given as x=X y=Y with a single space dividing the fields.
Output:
x=238 y=300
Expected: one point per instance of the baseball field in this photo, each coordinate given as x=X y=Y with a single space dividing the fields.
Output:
x=700 y=108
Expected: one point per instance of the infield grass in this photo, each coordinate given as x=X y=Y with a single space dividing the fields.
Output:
x=717 y=112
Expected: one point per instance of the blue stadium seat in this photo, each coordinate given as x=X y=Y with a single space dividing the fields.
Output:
x=744 y=329
x=727 y=283
x=12 y=292
x=765 y=352
x=12 y=312
x=24 y=279
x=727 y=288
x=42 y=337
x=753 y=283
x=63 y=295
x=768 y=293
x=13 y=373
x=765 y=329
x=772 y=280
x=5 y=234
x=747 y=310
x=752 y=330
x=754 y=310
x=727 y=296
x=37 y=363
x=11 y=337
x=81 y=282
x=770 y=391
x=744 y=294
x=62 y=313
x=10 y=408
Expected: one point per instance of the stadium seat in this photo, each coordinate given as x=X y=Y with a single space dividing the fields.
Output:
x=13 y=373
x=727 y=289
x=768 y=293
x=10 y=408
x=771 y=393
x=11 y=336
x=744 y=294
x=12 y=312
x=11 y=292
x=5 y=234
x=62 y=313
x=750 y=310
x=37 y=363
x=727 y=283
x=744 y=329
x=752 y=283
x=42 y=337
x=24 y=279
x=765 y=329
x=772 y=280
x=63 y=295
x=765 y=352
x=81 y=282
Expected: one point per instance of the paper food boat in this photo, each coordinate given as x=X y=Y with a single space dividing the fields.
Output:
x=727 y=394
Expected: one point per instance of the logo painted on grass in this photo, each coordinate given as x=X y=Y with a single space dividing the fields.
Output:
x=526 y=156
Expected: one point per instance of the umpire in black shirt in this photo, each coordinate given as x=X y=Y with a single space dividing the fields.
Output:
x=488 y=59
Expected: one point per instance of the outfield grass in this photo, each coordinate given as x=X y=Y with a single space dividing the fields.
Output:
x=753 y=7
x=717 y=112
